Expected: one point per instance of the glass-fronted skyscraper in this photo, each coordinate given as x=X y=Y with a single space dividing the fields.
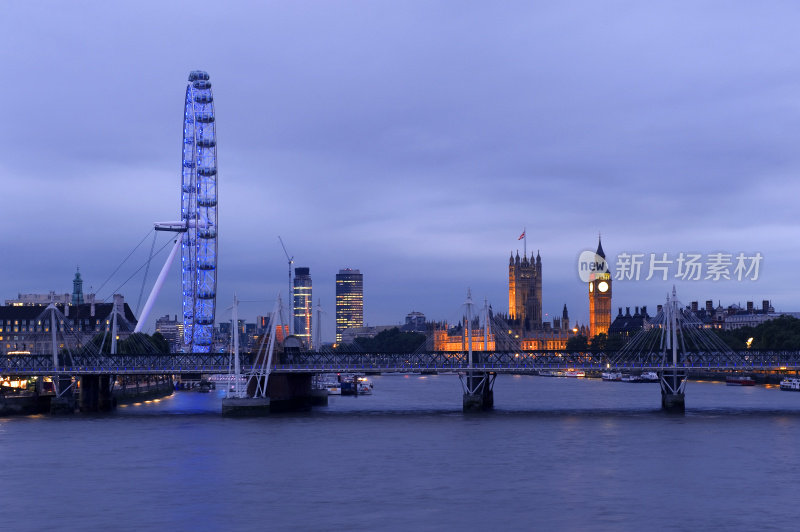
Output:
x=349 y=301
x=302 y=305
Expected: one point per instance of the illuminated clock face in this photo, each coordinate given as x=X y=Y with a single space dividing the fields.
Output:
x=591 y=287
x=603 y=286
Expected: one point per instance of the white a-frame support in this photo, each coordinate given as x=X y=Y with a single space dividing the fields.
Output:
x=151 y=299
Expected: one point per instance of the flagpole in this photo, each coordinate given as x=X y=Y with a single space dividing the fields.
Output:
x=525 y=243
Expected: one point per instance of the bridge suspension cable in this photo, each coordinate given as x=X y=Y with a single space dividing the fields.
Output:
x=674 y=326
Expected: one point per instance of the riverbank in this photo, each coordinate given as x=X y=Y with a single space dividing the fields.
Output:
x=760 y=377
x=24 y=404
x=136 y=391
x=132 y=391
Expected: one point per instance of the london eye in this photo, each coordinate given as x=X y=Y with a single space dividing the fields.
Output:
x=199 y=214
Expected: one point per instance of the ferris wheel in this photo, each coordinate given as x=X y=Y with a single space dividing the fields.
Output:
x=197 y=228
x=199 y=214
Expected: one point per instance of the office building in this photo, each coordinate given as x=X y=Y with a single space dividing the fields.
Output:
x=301 y=307
x=172 y=331
x=415 y=322
x=349 y=301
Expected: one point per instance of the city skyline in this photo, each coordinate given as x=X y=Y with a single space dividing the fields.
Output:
x=420 y=248
x=418 y=160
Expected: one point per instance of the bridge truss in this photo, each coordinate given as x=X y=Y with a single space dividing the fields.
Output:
x=521 y=362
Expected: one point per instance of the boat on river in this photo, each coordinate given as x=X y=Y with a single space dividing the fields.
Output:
x=790 y=384
x=739 y=381
x=347 y=384
x=330 y=383
x=647 y=376
x=611 y=376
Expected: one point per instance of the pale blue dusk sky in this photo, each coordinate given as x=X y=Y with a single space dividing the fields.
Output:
x=412 y=140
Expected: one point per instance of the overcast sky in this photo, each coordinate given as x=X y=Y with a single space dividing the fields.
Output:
x=411 y=140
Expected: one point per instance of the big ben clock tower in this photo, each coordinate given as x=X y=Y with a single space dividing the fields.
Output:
x=599 y=298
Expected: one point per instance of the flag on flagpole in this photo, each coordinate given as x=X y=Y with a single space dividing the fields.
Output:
x=521 y=236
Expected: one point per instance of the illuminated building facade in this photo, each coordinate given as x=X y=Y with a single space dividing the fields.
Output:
x=26 y=328
x=262 y=324
x=525 y=327
x=349 y=301
x=281 y=332
x=552 y=340
x=525 y=292
x=457 y=340
x=599 y=299
x=302 y=305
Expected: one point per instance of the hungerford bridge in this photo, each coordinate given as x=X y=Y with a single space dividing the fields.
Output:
x=673 y=345
x=483 y=363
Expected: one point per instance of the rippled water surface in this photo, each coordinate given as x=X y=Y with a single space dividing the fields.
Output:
x=554 y=454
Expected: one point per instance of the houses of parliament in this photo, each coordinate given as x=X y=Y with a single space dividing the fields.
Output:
x=525 y=316
x=525 y=324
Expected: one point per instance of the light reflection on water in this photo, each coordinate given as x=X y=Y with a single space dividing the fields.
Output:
x=555 y=454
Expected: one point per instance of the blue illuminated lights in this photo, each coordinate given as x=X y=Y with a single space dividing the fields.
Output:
x=199 y=212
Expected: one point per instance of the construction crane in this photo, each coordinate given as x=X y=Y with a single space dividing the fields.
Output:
x=291 y=285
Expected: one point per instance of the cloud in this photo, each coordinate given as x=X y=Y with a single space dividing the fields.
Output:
x=412 y=140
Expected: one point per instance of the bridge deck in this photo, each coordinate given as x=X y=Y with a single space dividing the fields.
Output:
x=519 y=363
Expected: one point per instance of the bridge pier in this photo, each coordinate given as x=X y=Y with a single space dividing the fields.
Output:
x=65 y=403
x=478 y=391
x=673 y=390
x=290 y=392
x=95 y=395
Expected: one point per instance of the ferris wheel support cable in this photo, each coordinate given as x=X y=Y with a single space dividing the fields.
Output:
x=116 y=291
x=121 y=264
x=146 y=271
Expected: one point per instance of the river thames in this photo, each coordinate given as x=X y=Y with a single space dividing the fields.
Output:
x=555 y=453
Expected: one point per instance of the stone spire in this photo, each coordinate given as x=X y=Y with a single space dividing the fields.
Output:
x=600 y=251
